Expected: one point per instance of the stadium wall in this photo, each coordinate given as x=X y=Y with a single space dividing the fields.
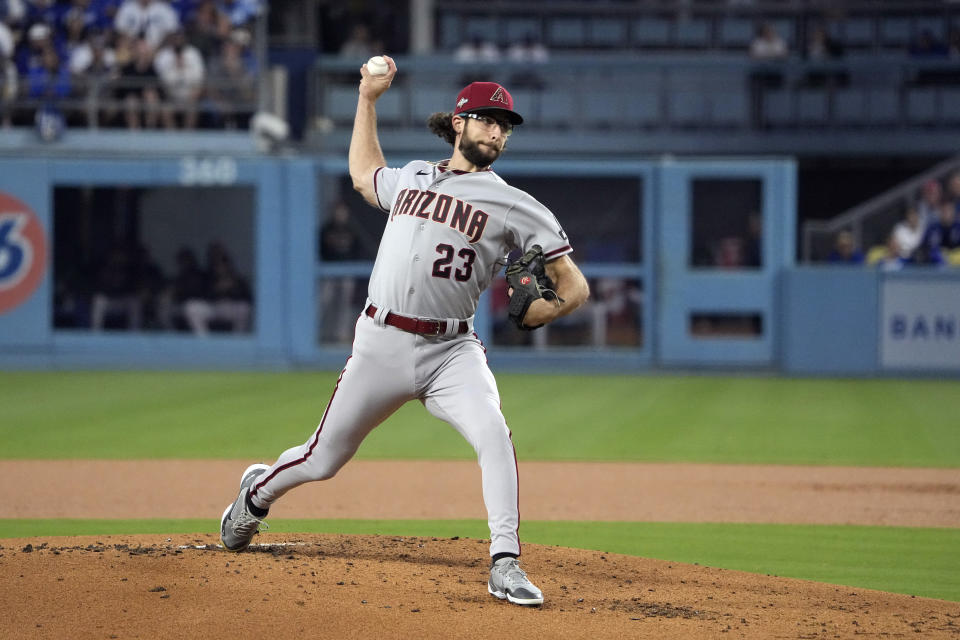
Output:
x=809 y=321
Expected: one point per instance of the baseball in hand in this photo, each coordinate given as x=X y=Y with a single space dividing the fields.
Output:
x=377 y=66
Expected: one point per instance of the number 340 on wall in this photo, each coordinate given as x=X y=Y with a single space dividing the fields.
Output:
x=205 y=171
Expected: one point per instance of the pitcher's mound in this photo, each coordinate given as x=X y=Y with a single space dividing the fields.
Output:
x=333 y=586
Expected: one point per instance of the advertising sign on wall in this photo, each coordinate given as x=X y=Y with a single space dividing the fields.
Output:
x=920 y=324
x=23 y=252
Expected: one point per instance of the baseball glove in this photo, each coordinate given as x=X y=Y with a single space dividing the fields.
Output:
x=529 y=281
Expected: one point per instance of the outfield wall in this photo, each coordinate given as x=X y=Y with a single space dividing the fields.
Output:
x=691 y=264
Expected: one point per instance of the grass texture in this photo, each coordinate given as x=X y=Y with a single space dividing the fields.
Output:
x=921 y=562
x=132 y=415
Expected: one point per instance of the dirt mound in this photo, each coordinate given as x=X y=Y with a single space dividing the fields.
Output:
x=329 y=586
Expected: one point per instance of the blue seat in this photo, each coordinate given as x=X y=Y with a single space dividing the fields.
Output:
x=850 y=106
x=895 y=31
x=641 y=105
x=524 y=103
x=651 y=32
x=950 y=97
x=686 y=99
x=607 y=32
x=601 y=107
x=483 y=26
x=921 y=106
x=883 y=106
x=427 y=100
x=694 y=33
x=730 y=108
x=935 y=25
x=736 y=32
x=516 y=29
x=778 y=107
x=340 y=103
x=557 y=108
x=812 y=106
x=858 y=31
x=450 y=35
x=567 y=32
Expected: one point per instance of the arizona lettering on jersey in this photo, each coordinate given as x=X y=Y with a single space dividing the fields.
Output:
x=464 y=218
x=448 y=235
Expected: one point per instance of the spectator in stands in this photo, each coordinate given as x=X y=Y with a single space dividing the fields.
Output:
x=529 y=50
x=6 y=40
x=953 y=188
x=188 y=296
x=12 y=11
x=908 y=233
x=45 y=11
x=115 y=291
x=942 y=237
x=152 y=20
x=477 y=50
x=93 y=66
x=360 y=44
x=139 y=87
x=845 y=250
x=240 y=13
x=232 y=83
x=753 y=242
x=927 y=46
x=928 y=207
x=39 y=39
x=229 y=292
x=338 y=242
x=768 y=44
x=182 y=74
x=76 y=23
x=150 y=285
x=953 y=42
x=8 y=89
x=890 y=258
x=51 y=80
x=821 y=46
x=208 y=28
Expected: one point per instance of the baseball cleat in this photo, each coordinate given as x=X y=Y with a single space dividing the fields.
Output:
x=238 y=525
x=508 y=581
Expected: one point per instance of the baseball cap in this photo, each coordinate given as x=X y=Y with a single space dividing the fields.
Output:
x=38 y=31
x=483 y=96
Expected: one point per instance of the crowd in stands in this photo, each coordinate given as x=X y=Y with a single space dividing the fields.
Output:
x=133 y=63
x=128 y=290
x=928 y=233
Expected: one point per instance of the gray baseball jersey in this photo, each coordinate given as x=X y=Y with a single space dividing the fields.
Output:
x=449 y=234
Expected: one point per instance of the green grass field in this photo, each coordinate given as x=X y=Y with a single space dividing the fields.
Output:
x=133 y=415
x=634 y=418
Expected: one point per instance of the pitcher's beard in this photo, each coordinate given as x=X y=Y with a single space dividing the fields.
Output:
x=475 y=154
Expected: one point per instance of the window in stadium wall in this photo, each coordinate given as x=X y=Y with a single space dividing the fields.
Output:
x=726 y=225
x=154 y=259
x=601 y=215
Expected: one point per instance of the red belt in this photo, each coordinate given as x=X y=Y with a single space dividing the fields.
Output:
x=424 y=326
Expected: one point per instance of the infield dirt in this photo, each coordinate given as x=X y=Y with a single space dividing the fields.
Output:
x=330 y=586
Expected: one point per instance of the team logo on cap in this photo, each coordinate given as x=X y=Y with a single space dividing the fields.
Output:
x=499 y=96
x=462 y=102
x=23 y=252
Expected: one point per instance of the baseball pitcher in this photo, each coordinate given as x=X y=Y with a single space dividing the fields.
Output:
x=450 y=227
